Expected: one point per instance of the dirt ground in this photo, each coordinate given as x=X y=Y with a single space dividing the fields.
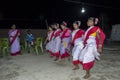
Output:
x=42 y=67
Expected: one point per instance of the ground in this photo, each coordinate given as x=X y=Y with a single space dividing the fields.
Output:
x=42 y=67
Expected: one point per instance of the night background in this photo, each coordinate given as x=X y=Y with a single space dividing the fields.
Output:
x=34 y=56
x=32 y=14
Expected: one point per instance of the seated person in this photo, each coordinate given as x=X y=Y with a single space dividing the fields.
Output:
x=30 y=40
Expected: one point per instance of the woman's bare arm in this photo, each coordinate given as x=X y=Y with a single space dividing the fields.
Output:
x=99 y=41
x=46 y=40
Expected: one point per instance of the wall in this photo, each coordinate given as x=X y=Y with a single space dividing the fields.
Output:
x=115 y=34
x=35 y=32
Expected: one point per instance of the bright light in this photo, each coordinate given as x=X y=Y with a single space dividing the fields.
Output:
x=83 y=10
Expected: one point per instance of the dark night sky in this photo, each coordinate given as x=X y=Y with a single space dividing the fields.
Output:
x=33 y=13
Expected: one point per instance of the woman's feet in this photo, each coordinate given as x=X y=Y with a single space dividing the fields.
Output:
x=51 y=56
x=76 y=67
x=68 y=58
x=62 y=60
x=86 y=76
x=56 y=59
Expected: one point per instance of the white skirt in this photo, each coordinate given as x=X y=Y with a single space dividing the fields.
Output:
x=55 y=47
x=76 y=51
x=89 y=53
x=49 y=45
x=63 y=48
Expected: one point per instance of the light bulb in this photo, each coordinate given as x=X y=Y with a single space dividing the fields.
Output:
x=83 y=10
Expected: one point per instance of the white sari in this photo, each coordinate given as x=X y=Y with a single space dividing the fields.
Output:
x=65 y=43
x=78 y=46
x=89 y=53
x=14 y=42
x=50 y=44
x=55 y=48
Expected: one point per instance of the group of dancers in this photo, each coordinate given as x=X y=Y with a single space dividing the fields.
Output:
x=86 y=45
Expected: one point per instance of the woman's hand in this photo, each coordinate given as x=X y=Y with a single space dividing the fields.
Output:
x=65 y=44
x=46 y=41
x=100 y=48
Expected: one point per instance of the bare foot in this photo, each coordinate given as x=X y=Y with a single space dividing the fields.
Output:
x=62 y=61
x=51 y=56
x=68 y=58
x=55 y=59
x=86 y=76
x=75 y=68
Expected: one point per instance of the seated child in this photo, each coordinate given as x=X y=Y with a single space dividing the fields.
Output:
x=30 y=40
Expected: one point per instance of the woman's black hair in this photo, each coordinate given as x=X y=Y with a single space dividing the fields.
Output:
x=50 y=26
x=77 y=22
x=56 y=24
x=64 y=23
x=95 y=20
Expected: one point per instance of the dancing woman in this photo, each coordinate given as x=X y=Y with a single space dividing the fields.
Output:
x=77 y=42
x=93 y=43
x=49 y=40
x=57 y=41
x=65 y=41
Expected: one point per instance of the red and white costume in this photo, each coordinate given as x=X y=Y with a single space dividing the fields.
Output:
x=77 y=41
x=50 y=41
x=65 y=43
x=89 y=53
x=14 y=42
x=55 y=51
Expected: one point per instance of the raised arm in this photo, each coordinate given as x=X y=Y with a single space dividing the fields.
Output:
x=46 y=40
